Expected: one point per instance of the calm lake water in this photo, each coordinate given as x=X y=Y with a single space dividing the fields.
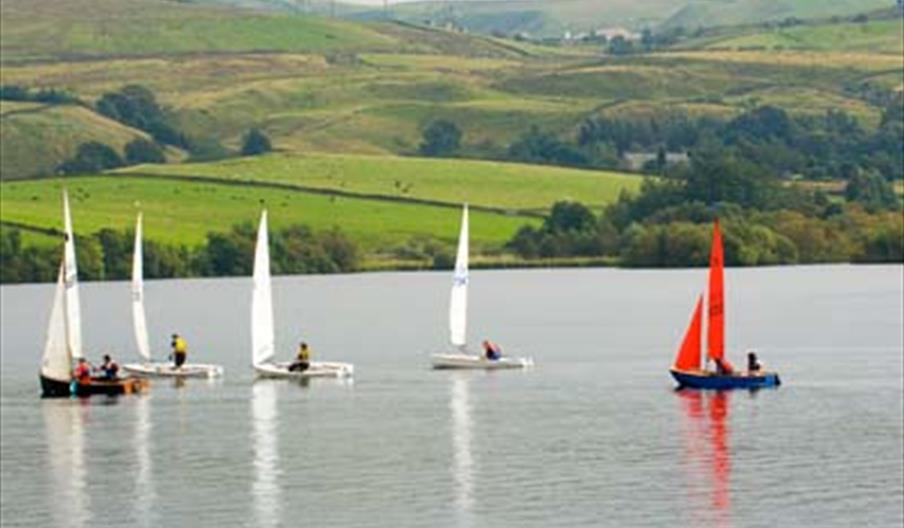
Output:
x=595 y=435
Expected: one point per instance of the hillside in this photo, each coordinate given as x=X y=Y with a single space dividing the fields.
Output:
x=80 y=29
x=37 y=137
x=346 y=104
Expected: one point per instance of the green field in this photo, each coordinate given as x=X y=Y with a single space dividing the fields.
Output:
x=184 y=212
x=489 y=184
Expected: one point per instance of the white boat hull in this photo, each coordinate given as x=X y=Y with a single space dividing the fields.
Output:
x=318 y=369
x=473 y=361
x=168 y=370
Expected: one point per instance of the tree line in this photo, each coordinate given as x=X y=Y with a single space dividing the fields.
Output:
x=107 y=255
x=766 y=221
x=767 y=139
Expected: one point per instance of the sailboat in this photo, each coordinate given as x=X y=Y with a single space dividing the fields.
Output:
x=64 y=335
x=262 y=334
x=147 y=367
x=687 y=369
x=458 y=318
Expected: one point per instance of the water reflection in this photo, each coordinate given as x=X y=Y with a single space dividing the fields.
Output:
x=64 y=423
x=144 y=484
x=265 y=489
x=462 y=462
x=707 y=456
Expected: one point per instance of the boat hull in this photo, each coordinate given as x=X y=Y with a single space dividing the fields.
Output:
x=473 y=361
x=128 y=385
x=168 y=370
x=51 y=388
x=318 y=369
x=712 y=381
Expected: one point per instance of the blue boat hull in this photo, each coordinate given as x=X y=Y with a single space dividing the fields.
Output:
x=712 y=381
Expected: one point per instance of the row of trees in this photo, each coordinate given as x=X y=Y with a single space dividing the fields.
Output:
x=767 y=222
x=108 y=253
x=15 y=92
x=766 y=139
x=683 y=237
x=830 y=146
x=94 y=156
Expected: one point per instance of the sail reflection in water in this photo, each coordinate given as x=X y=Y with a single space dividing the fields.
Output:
x=463 y=463
x=64 y=422
x=266 y=454
x=707 y=456
x=144 y=483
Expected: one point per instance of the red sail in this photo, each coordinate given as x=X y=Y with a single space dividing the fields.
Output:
x=689 y=354
x=716 y=334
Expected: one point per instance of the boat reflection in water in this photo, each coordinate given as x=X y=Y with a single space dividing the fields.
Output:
x=265 y=490
x=144 y=483
x=64 y=424
x=462 y=462
x=707 y=456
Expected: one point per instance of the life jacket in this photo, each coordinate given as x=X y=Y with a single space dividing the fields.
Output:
x=83 y=373
x=180 y=346
x=304 y=354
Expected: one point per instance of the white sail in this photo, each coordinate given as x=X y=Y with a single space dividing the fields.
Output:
x=262 y=299
x=139 y=321
x=73 y=306
x=458 y=304
x=57 y=363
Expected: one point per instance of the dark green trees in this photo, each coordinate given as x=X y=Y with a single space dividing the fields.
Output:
x=255 y=143
x=441 y=138
x=140 y=150
x=92 y=156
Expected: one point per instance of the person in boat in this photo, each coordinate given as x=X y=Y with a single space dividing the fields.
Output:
x=180 y=350
x=302 y=359
x=753 y=363
x=724 y=367
x=82 y=372
x=491 y=350
x=109 y=368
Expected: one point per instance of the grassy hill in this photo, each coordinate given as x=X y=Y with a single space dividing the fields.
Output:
x=38 y=137
x=82 y=28
x=78 y=29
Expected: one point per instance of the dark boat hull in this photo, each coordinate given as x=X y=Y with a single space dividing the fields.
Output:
x=51 y=388
x=713 y=381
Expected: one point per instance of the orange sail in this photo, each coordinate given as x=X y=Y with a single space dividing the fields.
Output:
x=689 y=354
x=716 y=328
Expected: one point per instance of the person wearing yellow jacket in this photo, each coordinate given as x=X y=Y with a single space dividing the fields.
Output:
x=303 y=359
x=180 y=350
